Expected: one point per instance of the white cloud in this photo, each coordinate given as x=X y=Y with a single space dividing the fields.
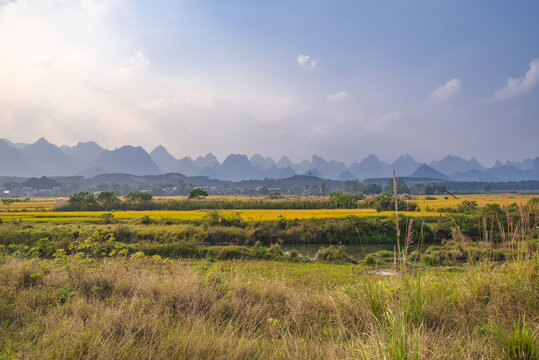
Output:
x=446 y=91
x=307 y=62
x=135 y=63
x=338 y=96
x=383 y=122
x=517 y=87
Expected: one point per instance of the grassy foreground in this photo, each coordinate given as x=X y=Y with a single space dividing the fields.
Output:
x=73 y=307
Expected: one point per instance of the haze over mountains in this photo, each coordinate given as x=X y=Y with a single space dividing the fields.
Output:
x=89 y=159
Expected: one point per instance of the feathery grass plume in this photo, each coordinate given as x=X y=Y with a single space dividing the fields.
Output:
x=409 y=238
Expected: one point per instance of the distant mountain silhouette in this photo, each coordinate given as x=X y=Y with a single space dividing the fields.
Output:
x=405 y=164
x=301 y=167
x=284 y=162
x=473 y=175
x=261 y=163
x=328 y=169
x=237 y=167
x=286 y=173
x=425 y=171
x=207 y=161
x=346 y=176
x=314 y=172
x=526 y=164
x=93 y=171
x=89 y=159
x=186 y=166
x=509 y=173
x=164 y=161
x=41 y=183
x=16 y=145
x=275 y=172
x=451 y=164
x=50 y=159
x=14 y=162
x=83 y=153
x=370 y=167
x=127 y=159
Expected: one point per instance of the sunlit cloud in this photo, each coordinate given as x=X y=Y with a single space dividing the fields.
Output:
x=341 y=95
x=135 y=63
x=446 y=91
x=307 y=62
x=517 y=87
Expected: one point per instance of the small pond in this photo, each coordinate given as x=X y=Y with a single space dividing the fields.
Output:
x=356 y=250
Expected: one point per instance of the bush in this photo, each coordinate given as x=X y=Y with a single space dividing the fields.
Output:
x=107 y=218
x=146 y=220
x=275 y=251
x=386 y=202
x=369 y=260
x=331 y=254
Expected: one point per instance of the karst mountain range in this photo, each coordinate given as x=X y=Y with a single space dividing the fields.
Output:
x=43 y=158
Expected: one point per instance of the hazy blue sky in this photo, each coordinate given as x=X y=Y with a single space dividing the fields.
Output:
x=342 y=79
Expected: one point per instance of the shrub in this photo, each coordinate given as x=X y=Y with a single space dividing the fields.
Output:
x=369 y=260
x=107 y=218
x=275 y=251
x=260 y=251
x=146 y=220
x=331 y=253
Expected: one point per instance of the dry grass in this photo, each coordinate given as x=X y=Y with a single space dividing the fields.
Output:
x=75 y=308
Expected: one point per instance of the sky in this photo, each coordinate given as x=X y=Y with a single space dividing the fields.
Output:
x=340 y=79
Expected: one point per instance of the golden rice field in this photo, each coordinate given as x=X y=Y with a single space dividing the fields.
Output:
x=34 y=204
x=442 y=201
x=248 y=215
x=447 y=201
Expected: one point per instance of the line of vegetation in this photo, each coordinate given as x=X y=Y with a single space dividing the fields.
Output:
x=107 y=201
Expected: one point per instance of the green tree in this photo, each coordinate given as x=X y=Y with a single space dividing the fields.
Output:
x=467 y=206
x=434 y=188
x=345 y=201
x=197 y=193
x=82 y=201
x=372 y=189
x=107 y=199
x=8 y=202
x=402 y=188
x=138 y=197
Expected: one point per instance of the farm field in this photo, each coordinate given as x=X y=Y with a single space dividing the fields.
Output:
x=447 y=201
x=33 y=204
x=248 y=215
x=440 y=201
